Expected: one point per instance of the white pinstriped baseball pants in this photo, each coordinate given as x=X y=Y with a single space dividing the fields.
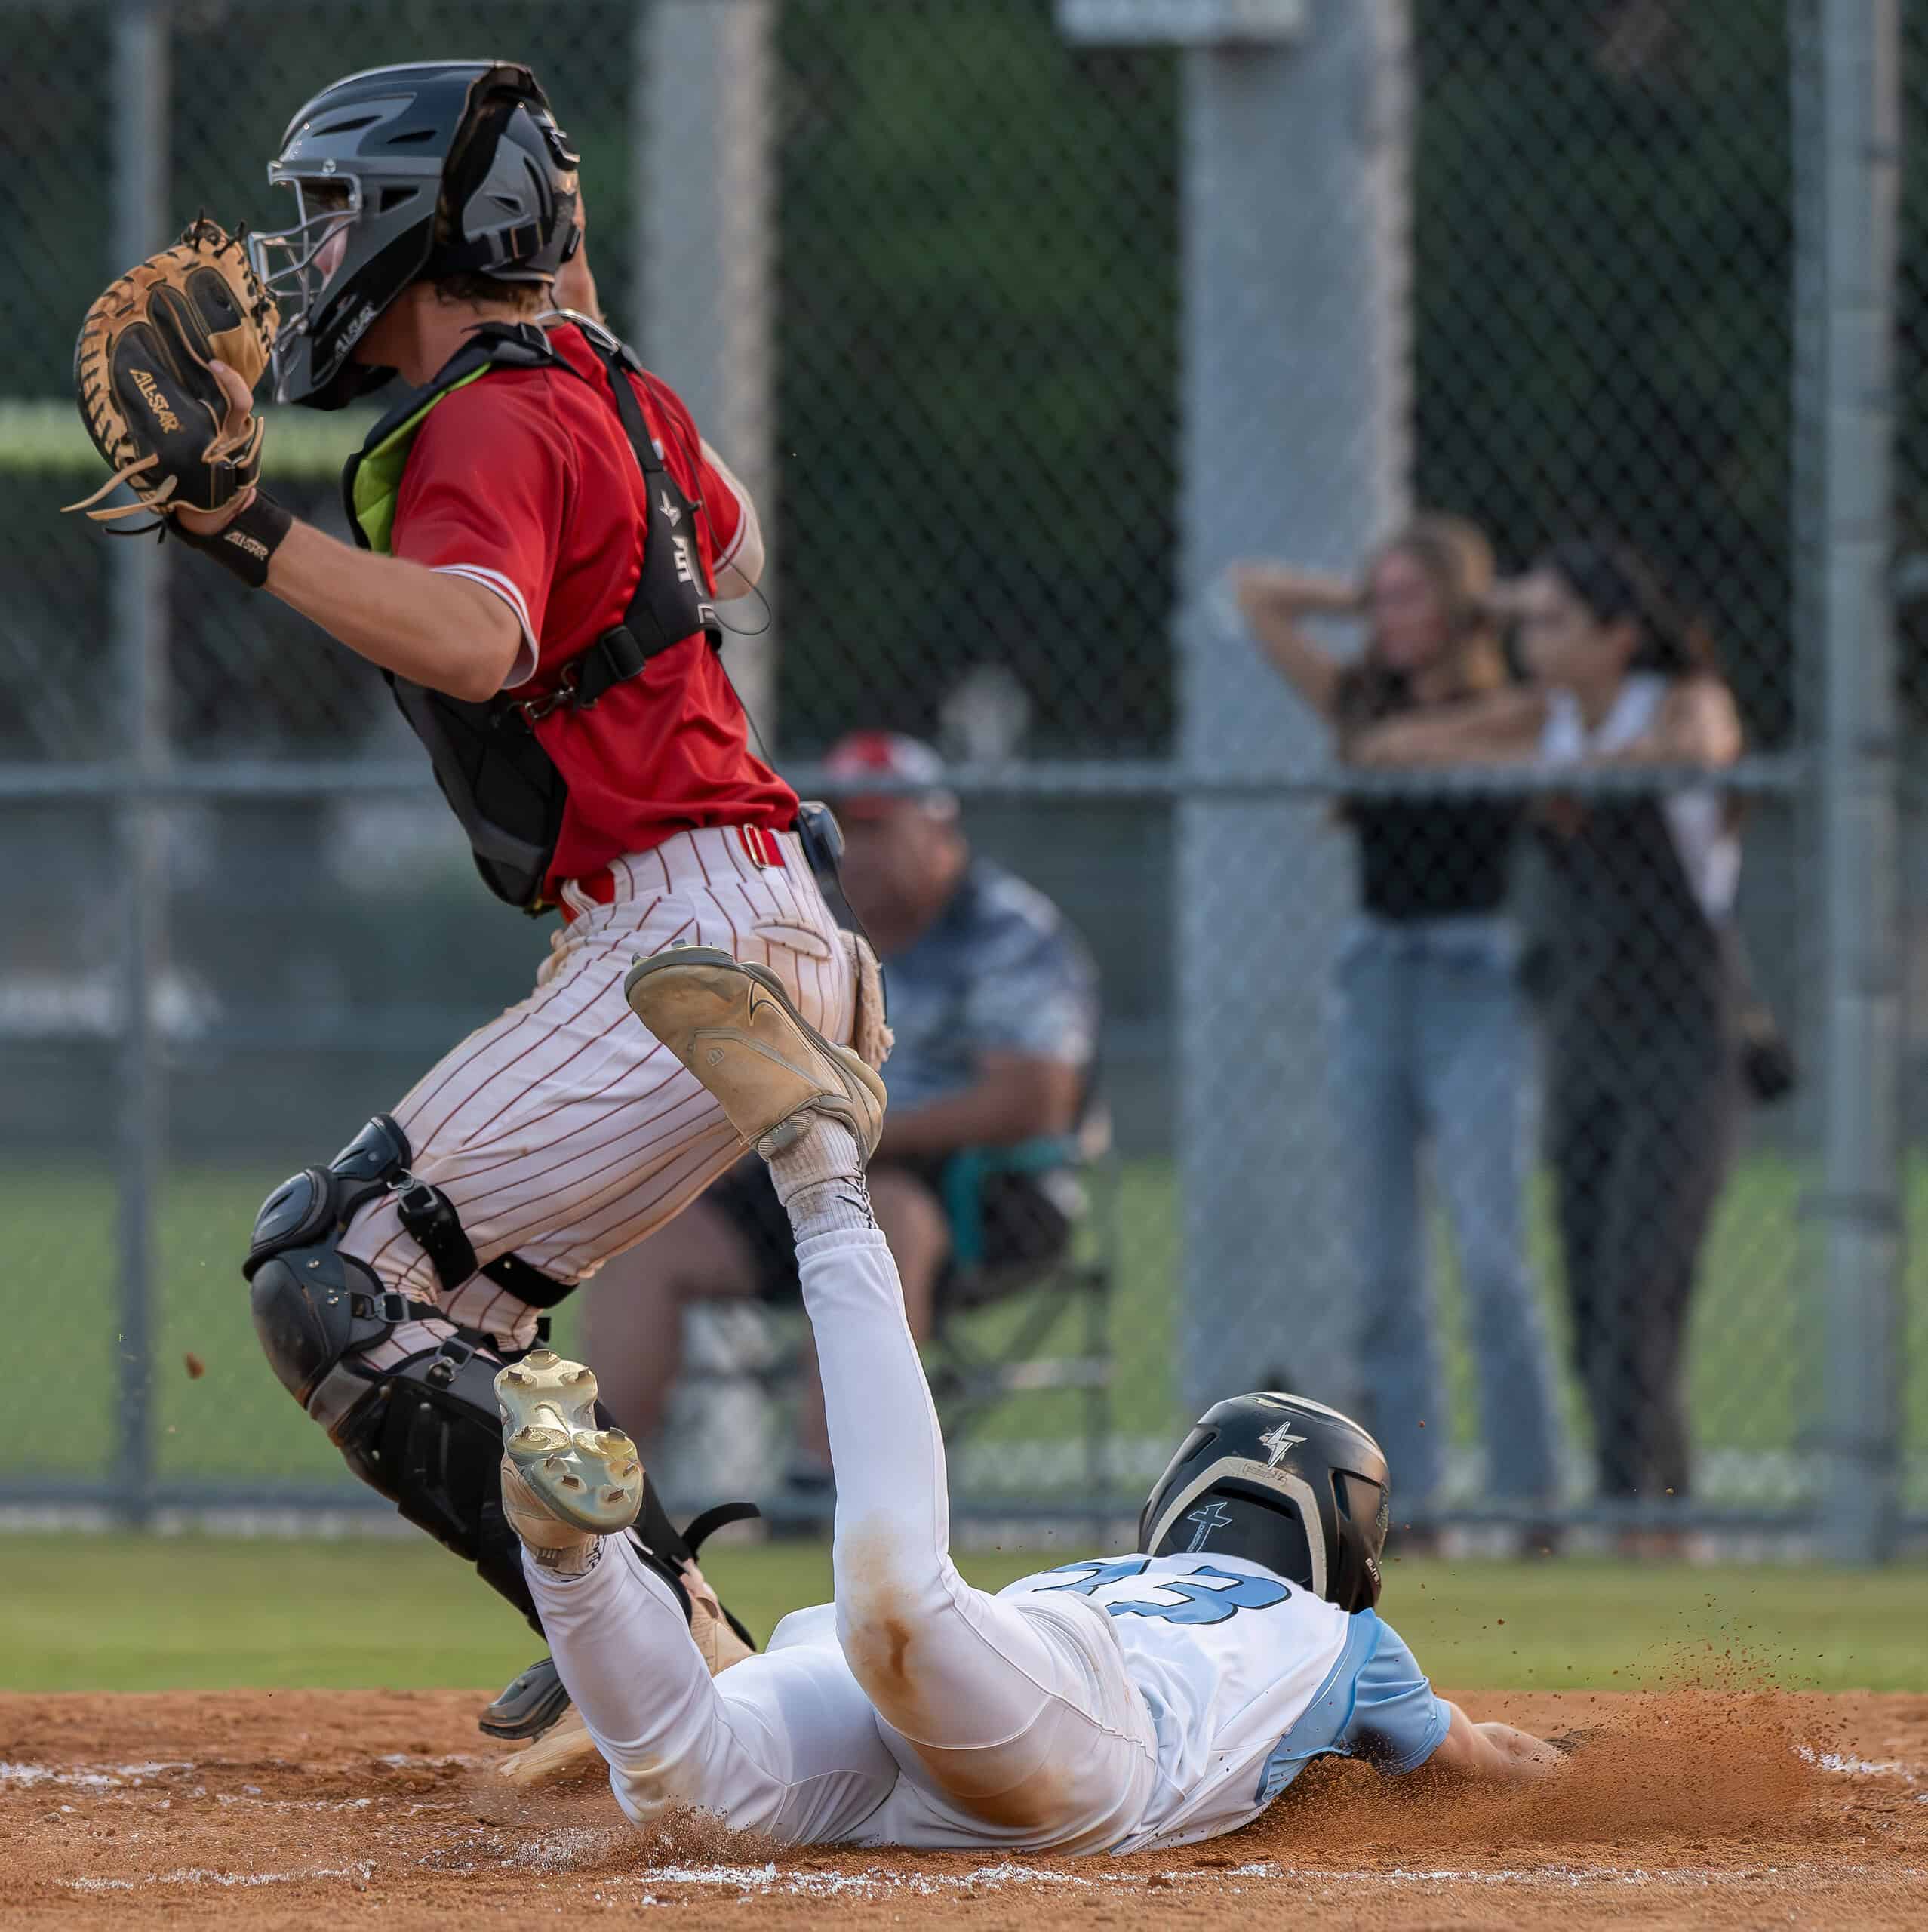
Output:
x=562 y=1131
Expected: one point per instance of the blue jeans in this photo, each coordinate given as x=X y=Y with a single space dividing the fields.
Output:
x=1433 y=1044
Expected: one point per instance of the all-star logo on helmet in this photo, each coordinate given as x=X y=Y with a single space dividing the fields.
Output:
x=1283 y=1482
x=436 y=167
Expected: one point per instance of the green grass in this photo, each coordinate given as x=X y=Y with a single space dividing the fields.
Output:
x=1575 y=1624
x=1757 y=1337
x=125 y=1613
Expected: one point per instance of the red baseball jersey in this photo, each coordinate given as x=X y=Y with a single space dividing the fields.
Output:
x=523 y=482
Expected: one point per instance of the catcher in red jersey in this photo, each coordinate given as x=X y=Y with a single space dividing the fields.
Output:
x=540 y=535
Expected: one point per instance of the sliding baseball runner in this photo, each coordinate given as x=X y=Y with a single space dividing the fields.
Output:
x=540 y=535
x=1127 y=1704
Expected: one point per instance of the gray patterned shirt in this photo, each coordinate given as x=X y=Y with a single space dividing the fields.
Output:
x=1001 y=968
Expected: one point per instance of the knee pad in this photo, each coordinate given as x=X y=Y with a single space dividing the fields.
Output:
x=312 y=1305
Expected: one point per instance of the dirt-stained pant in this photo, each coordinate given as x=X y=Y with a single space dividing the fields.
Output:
x=919 y=1711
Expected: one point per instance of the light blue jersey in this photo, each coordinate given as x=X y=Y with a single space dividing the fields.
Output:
x=1247 y=1679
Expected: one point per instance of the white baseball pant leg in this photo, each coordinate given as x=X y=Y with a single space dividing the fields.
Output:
x=785 y=1743
x=1015 y=1723
x=562 y=1131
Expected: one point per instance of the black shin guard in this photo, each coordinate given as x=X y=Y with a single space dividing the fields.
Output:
x=427 y=1436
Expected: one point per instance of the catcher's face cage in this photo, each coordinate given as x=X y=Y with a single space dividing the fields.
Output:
x=288 y=261
x=1282 y=1481
x=401 y=172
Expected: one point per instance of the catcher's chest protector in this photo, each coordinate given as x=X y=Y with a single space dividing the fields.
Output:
x=489 y=759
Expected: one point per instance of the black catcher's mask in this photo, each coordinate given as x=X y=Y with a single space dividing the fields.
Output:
x=437 y=167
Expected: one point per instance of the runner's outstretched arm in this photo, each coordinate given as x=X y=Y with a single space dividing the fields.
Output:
x=1492 y=1753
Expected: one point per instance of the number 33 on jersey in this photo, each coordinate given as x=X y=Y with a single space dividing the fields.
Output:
x=1204 y=1594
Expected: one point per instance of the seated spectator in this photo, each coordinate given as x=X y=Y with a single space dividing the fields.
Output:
x=994 y=1000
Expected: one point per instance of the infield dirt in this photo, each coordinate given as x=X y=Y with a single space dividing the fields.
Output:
x=299 y=1808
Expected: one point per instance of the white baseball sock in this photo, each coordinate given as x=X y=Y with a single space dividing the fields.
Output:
x=820 y=1180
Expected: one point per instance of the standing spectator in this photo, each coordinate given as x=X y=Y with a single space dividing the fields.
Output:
x=1643 y=1089
x=993 y=1000
x=1431 y=1036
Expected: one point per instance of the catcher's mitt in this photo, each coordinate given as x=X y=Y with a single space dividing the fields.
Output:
x=141 y=375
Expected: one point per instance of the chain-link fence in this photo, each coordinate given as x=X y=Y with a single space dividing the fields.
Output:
x=1428 y=1093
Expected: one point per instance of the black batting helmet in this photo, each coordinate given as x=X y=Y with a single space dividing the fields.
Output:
x=1282 y=1481
x=436 y=167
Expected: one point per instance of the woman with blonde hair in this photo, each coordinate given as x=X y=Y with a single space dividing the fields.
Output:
x=1431 y=1038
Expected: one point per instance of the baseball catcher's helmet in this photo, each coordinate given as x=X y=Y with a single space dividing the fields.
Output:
x=1282 y=1481
x=438 y=167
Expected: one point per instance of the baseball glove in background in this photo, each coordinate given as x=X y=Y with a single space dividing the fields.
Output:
x=146 y=393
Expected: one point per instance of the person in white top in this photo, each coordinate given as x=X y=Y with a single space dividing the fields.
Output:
x=1141 y=1702
x=1642 y=1053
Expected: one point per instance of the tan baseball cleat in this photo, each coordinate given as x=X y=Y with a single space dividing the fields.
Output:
x=566 y=1480
x=733 y=1027
x=718 y=1645
x=564 y=1750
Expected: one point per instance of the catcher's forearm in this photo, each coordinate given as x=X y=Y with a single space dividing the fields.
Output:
x=431 y=628
x=741 y=574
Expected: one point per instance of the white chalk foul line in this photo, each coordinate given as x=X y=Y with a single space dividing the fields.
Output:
x=770 y=1879
x=874 y=1882
x=1850 y=1766
x=87 y=1777
x=361 y=1871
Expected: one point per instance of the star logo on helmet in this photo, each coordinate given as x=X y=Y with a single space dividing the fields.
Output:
x=671 y=511
x=1278 y=1440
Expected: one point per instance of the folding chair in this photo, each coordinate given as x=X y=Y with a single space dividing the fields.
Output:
x=969 y=1376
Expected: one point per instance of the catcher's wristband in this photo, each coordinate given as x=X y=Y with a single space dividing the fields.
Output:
x=245 y=545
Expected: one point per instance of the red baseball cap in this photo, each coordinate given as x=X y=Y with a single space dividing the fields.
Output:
x=869 y=754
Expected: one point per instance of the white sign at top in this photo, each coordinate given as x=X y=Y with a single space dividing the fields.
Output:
x=1181 y=23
